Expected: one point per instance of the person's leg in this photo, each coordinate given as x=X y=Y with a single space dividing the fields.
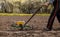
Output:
x=58 y=15
x=51 y=20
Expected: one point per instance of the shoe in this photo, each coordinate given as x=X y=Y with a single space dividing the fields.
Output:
x=46 y=29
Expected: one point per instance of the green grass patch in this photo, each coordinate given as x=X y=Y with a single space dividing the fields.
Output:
x=15 y=14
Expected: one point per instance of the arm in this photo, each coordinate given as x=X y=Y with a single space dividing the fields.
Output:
x=49 y=2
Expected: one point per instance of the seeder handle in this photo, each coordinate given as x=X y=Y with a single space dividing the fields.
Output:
x=32 y=16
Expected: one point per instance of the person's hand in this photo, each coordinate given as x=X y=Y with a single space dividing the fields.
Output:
x=46 y=4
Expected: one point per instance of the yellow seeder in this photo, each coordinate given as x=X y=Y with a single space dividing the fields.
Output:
x=22 y=24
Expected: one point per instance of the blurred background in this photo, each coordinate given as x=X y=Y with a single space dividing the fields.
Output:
x=24 y=6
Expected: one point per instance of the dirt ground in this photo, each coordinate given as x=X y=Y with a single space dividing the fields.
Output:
x=38 y=23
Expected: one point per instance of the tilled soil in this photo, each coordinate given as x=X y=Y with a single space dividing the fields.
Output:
x=38 y=23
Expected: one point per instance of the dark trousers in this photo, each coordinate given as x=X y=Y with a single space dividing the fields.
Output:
x=52 y=17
